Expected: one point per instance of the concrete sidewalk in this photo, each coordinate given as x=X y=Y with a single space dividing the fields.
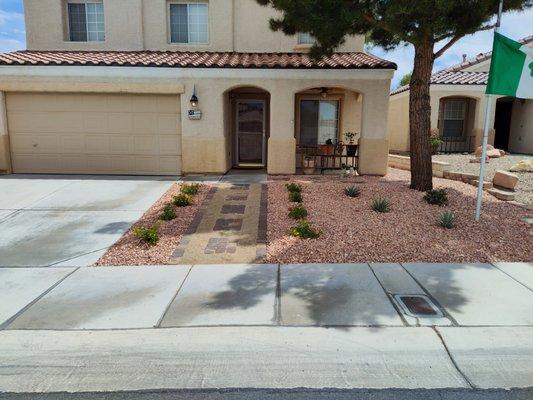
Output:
x=265 y=326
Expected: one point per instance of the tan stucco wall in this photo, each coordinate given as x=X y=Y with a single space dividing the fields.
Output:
x=234 y=25
x=5 y=160
x=398 y=126
x=206 y=143
x=521 y=134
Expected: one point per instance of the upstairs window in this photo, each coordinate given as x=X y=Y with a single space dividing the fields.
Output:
x=86 y=22
x=189 y=23
x=306 y=38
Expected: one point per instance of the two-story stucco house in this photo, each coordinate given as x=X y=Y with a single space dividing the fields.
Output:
x=458 y=105
x=165 y=87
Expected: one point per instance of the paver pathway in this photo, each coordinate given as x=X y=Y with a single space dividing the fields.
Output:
x=230 y=228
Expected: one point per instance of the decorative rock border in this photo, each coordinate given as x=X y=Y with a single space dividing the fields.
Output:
x=404 y=162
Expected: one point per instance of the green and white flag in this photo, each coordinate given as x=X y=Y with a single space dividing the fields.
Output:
x=511 y=69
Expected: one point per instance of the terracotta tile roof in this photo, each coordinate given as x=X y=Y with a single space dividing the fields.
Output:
x=194 y=59
x=453 y=78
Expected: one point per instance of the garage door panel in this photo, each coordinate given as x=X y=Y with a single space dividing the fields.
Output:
x=95 y=133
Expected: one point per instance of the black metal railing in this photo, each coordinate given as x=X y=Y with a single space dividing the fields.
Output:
x=329 y=157
x=456 y=145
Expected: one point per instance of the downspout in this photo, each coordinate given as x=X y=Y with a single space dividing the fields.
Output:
x=233 y=25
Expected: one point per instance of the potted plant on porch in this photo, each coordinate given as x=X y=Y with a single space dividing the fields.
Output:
x=351 y=147
x=328 y=148
x=308 y=165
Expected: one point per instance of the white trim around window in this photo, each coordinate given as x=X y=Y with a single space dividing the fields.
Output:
x=188 y=22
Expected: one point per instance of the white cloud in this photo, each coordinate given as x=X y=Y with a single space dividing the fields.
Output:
x=514 y=25
x=7 y=45
x=10 y=17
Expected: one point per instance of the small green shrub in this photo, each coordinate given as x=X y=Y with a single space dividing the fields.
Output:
x=182 y=200
x=435 y=144
x=447 y=220
x=352 y=191
x=298 y=212
x=293 y=187
x=304 y=231
x=381 y=205
x=148 y=235
x=190 y=189
x=436 y=196
x=295 y=197
x=168 y=213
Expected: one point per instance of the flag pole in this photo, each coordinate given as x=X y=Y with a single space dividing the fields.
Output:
x=488 y=107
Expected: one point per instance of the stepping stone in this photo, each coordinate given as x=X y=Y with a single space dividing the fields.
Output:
x=503 y=195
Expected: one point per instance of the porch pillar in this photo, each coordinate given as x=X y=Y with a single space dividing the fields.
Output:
x=5 y=159
x=479 y=122
x=205 y=147
x=281 y=143
x=373 y=144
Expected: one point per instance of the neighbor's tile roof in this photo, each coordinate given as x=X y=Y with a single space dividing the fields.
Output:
x=455 y=75
x=453 y=78
x=194 y=59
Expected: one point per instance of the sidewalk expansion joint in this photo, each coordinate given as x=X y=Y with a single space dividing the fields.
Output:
x=165 y=311
x=512 y=277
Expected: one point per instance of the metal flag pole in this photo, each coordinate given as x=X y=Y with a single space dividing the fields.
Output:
x=488 y=107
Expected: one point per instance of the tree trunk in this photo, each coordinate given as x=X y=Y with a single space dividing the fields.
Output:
x=420 y=118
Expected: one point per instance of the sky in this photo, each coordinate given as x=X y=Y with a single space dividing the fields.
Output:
x=514 y=25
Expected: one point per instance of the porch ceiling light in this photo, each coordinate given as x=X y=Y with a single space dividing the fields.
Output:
x=324 y=92
x=194 y=98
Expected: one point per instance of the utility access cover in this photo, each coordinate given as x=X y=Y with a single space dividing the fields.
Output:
x=418 y=306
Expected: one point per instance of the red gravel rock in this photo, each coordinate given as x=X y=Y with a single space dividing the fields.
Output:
x=353 y=232
x=129 y=250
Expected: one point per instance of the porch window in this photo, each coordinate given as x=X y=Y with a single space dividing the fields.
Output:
x=189 y=23
x=305 y=38
x=319 y=121
x=86 y=22
x=453 y=114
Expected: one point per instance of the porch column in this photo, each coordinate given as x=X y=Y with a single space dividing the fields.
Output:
x=281 y=143
x=204 y=145
x=5 y=159
x=373 y=144
x=479 y=122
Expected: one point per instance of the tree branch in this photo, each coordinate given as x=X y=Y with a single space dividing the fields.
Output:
x=447 y=46
x=385 y=27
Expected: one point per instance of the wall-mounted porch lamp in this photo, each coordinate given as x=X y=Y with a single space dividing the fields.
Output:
x=324 y=92
x=194 y=98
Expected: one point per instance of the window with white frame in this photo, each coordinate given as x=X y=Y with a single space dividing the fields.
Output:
x=86 y=22
x=189 y=23
x=306 y=38
x=453 y=113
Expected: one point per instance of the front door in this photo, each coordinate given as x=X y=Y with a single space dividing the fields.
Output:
x=250 y=132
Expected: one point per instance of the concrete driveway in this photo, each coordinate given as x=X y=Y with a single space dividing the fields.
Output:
x=63 y=220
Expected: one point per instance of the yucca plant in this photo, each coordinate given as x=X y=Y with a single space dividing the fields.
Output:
x=148 y=235
x=381 y=205
x=168 y=213
x=304 y=231
x=293 y=187
x=447 y=220
x=191 y=189
x=352 y=191
x=298 y=212
x=295 y=197
x=436 y=196
x=182 y=200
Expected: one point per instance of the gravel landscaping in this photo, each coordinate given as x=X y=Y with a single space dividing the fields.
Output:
x=352 y=232
x=461 y=163
x=130 y=250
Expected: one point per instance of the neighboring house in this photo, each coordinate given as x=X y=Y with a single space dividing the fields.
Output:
x=166 y=87
x=458 y=111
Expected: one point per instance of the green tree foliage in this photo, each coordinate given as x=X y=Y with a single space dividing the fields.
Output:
x=406 y=79
x=425 y=24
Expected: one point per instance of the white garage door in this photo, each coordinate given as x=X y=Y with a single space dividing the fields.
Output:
x=74 y=133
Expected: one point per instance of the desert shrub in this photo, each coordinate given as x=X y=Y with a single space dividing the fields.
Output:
x=190 y=189
x=447 y=220
x=182 y=200
x=148 y=235
x=381 y=205
x=436 y=196
x=304 y=231
x=168 y=213
x=352 y=191
x=298 y=212
x=295 y=197
x=293 y=187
